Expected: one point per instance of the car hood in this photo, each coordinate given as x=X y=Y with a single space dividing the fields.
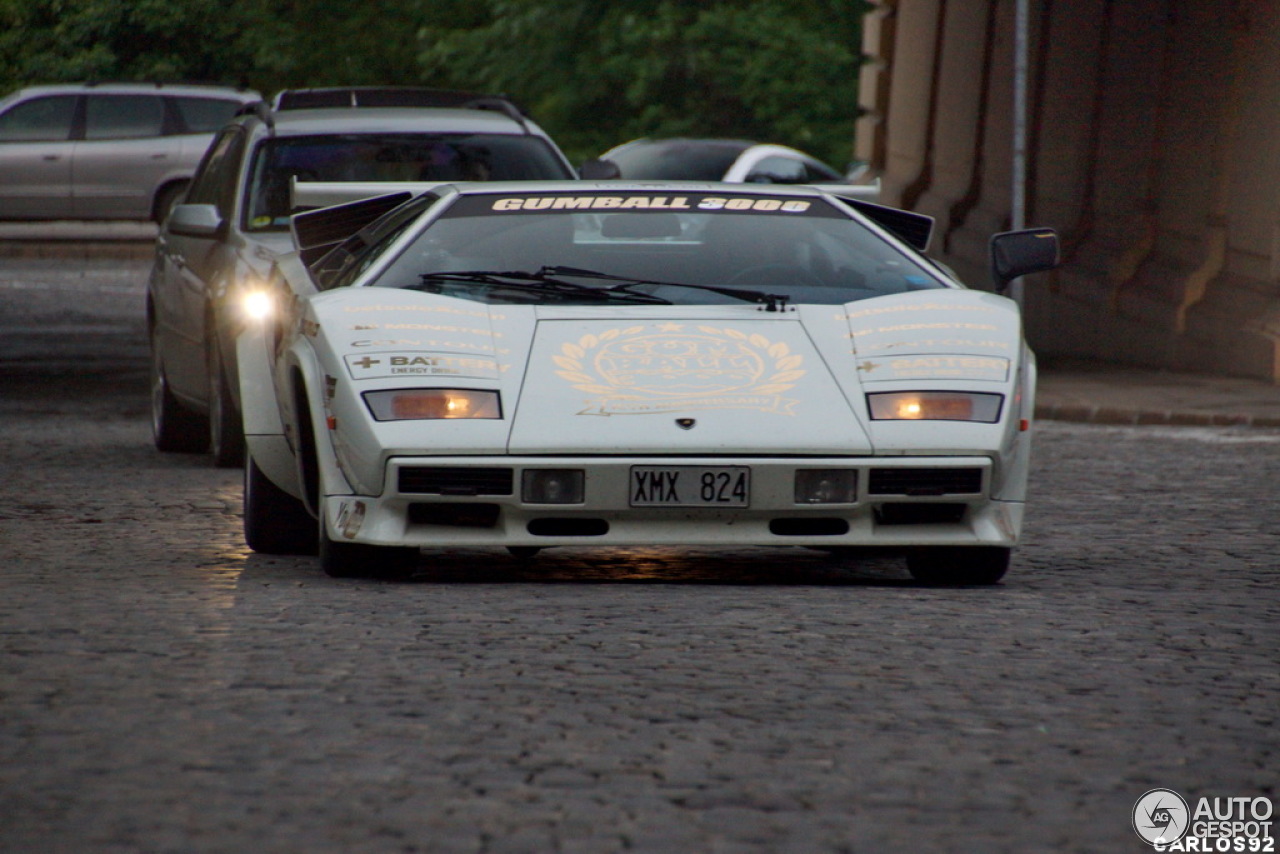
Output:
x=662 y=379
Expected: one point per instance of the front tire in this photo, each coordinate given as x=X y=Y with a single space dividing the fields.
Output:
x=275 y=522
x=173 y=427
x=959 y=565
x=340 y=559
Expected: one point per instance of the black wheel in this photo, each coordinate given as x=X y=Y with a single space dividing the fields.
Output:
x=226 y=431
x=275 y=522
x=173 y=426
x=341 y=559
x=957 y=565
x=524 y=552
x=167 y=199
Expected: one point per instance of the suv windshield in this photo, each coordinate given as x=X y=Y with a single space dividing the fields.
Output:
x=388 y=157
x=792 y=249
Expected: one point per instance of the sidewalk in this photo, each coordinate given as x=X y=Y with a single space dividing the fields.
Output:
x=77 y=239
x=1102 y=393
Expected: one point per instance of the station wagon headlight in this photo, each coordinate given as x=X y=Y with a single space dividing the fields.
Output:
x=257 y=304
x=935 y=406
x=414 y=404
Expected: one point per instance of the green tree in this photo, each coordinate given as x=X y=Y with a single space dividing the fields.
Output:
x=306 y=43
x=66 y=40
x=594 y=74
x=598 y=74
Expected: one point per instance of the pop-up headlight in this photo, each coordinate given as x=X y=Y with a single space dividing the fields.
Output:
x=935 y=406
x=412 y=404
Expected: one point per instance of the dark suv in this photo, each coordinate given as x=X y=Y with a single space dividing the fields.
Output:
x=234 y=222
x=106 y=150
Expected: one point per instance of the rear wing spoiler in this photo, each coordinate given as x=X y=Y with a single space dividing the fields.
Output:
x=318 y=232
x=912 y=228
x=332 y=211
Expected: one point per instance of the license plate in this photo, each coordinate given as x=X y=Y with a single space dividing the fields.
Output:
x=690 y=486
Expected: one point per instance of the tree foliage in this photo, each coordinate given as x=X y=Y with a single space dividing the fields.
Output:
x=594 y=74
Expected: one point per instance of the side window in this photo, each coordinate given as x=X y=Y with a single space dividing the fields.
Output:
x=39 y=120
x=215 y=179
x=204 y=115
x=123 y=117
x=777 y=170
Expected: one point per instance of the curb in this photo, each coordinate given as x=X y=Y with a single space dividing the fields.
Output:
x=1149 y=417
x=77 y=248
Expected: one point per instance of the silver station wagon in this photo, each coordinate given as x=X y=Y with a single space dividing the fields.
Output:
x=106 y=150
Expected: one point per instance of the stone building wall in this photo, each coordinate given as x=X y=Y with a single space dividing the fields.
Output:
x=1154 y=149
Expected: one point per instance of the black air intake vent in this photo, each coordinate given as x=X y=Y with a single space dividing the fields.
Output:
x=448 y=480
x=904 y=481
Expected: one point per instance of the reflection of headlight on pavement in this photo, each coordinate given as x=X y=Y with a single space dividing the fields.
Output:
x=257 y=305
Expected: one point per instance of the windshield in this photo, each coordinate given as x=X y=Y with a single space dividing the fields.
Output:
x=789 y=249
x=388 y=157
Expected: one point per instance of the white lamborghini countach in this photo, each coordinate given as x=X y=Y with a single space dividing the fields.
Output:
x=552 y=364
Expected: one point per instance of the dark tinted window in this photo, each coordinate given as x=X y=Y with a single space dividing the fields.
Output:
x=677 y=160
x=388 y=157
x=39 y=120
x=205 y=115
x=123 y=116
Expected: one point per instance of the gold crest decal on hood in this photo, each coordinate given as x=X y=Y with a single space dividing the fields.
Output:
x=641 y=370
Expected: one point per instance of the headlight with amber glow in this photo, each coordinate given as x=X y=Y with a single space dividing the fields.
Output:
x=414 y=404
x=935 y=406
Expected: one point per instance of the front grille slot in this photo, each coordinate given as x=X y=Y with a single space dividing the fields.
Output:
x=455 y=480
x=808 y=527
x=933 y=513
x=455 y=515
x=922 y=481
x=568 y=527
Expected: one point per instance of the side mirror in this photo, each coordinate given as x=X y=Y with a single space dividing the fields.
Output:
x=194 y=221
x=596 y=169
x=1020 y=253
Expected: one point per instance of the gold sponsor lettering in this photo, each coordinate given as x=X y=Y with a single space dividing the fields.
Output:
x=638 y=369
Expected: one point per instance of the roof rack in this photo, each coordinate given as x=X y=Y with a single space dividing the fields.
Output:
x=395 y=96
x=262 y=110
x=241 y=86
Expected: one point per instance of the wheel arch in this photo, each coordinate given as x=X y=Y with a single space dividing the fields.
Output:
x=317 y=464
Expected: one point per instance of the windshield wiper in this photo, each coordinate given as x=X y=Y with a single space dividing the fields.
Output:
x=771 y=302
x=541 y=282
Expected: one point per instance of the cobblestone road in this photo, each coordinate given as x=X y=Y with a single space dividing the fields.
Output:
x=164 y=690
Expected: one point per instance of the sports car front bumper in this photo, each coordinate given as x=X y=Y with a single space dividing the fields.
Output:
x=478 y=501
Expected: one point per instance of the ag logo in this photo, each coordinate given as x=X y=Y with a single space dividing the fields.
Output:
x=1161 y=816
x=644 y=370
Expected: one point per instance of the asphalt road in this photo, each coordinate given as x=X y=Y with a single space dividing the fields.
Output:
x=164 y=690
